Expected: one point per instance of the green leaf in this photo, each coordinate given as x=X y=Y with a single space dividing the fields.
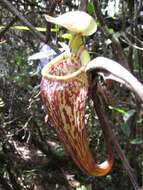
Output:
x=119 y=110
x=136 y=141
x=19 y=60
x=128 y=115
x=20 y=27
x=83 y=187
x=110 y=30
x=41 y=29
x=126 y=129
x=56 y=29
x=90 y=7
x=67 y=36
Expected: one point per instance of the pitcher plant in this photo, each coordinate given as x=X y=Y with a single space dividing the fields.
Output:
x=64 y=91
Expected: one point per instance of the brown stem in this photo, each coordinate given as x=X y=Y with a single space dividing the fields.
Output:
x=50 y=12
x=83 y=4
x=106 y=127
x=103 y=127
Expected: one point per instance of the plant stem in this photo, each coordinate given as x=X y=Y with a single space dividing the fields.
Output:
x=105 y=125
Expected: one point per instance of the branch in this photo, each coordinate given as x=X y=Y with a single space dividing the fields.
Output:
x=105 y=126
x=50 y=12
x=4 y=183
x=7 y=27
x=24 y=20
x=83 y=4
x=13 y=178
x=116 y=46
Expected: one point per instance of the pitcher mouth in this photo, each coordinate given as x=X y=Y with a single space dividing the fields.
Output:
x=47 y=69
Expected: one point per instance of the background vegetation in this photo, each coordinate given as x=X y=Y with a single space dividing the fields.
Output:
x=31 y=157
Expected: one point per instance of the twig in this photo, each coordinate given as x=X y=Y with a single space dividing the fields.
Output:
x=24 y=20
x=7 y=27
x=83 y=4
x=50 y=12
x=116 y=46
x=128 y=42
x=4 y=183
x=15 y=184
x=103 y=119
